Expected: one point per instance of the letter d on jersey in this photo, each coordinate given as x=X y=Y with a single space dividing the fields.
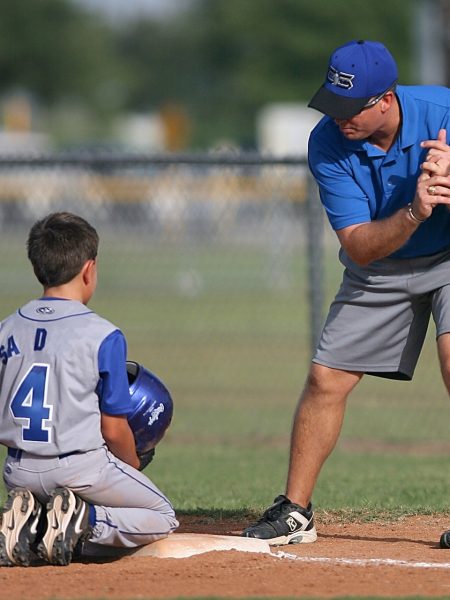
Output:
x=40 y=337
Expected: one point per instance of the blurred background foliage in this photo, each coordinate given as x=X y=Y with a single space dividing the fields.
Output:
x=225 y=59
x=211 y=64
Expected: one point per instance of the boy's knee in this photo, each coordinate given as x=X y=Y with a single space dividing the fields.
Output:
x=173 y=522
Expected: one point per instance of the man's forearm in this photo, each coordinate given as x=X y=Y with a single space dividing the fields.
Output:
x=375 y=240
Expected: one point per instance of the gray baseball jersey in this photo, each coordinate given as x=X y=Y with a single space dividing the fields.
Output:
x=49 y=377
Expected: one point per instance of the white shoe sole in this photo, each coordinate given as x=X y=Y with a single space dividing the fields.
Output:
x=14 y=540
x=56 y=546
x=300 y=537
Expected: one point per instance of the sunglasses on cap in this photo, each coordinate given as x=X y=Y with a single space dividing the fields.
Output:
x=378 y=98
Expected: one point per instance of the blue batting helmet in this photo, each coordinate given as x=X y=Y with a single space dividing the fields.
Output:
x=152 y=407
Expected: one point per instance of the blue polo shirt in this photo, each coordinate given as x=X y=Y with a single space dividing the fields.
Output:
x=359 y=183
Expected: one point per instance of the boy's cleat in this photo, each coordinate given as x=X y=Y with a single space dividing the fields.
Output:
x=284 y=523
x=67 y=526
x=19 y=520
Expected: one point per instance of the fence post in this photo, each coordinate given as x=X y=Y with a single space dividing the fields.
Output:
x=315 y=266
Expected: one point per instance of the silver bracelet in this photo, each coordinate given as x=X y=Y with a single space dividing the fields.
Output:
x=413 y=216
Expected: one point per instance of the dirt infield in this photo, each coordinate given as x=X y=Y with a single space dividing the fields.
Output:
x=349 y=559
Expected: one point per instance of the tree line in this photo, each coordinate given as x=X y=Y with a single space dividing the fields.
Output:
x=218 y=61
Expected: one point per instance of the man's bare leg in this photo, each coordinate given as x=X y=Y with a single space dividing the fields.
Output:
x=316 y=428
x=443 y=344
x=317 y=424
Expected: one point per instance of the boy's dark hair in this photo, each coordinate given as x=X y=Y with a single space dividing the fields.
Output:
x=58 y=247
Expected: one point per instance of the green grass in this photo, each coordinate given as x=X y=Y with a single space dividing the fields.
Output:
x=227 y=329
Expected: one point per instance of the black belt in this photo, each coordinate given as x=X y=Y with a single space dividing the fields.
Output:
x=16 y=453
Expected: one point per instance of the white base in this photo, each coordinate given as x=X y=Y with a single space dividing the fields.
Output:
x=182 y=545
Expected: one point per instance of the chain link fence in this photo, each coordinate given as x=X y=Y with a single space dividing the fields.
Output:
x=218 y=269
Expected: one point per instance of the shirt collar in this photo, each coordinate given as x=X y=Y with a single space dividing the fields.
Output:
x=409 y=131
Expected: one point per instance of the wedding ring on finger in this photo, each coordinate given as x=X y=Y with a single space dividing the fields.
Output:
x=431 y=190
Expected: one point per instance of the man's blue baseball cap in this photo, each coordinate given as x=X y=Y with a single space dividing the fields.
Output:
x=357 y=71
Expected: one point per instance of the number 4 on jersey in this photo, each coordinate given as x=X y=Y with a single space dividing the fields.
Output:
x=30 y=405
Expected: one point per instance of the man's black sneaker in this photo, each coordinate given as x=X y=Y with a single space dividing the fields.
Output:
x=67 y=526
x=444 y=542
x=19 y=520
x=284 y=523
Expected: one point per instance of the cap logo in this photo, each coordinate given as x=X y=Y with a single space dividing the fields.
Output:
x=340 y=79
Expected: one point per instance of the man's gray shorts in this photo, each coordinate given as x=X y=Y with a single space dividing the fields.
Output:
x=378 y=321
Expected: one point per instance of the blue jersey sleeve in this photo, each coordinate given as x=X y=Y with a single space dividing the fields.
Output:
x=113 y=389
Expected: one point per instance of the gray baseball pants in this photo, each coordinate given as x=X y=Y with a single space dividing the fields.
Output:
x=130 y=510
